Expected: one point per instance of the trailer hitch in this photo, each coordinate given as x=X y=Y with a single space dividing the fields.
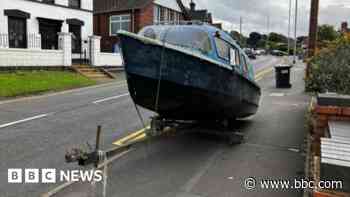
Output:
x=85 y=157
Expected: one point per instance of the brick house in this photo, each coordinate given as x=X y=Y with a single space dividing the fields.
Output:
x=131 y=15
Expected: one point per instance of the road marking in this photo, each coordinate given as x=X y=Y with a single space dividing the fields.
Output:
x=24 y=120
x=119 y=84
x=138 y=135
x=262 y=73
x=276 y=94
x=294 y=150
x=110 y=98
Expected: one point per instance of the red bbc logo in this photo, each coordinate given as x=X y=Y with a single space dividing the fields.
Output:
x=31 y=175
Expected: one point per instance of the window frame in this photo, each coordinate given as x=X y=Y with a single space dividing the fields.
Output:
x=120 y=21
x=245 y=67
x=237 y=56
x=217 y=49
x=74 y=6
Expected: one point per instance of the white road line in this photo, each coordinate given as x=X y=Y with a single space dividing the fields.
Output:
x=119 y=84
x=24 y=120
x=110 y=98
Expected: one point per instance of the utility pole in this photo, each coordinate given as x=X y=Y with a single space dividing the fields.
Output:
x=268 y=32
x=289 y=23
x=240 y=25
x=312 y=31
x=240 y=30
x=295 y=32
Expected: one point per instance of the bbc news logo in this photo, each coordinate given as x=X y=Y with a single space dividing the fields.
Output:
x=52 y=175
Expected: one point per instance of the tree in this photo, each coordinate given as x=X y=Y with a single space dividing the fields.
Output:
x=327 y=33
x=254 y=39
x=279 y=38
x=241 y=39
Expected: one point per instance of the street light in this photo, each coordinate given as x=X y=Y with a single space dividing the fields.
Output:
x=289 y=21
x=295 y=31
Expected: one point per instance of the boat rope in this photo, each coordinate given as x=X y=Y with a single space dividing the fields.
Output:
x=139 y=115
x=160 y=71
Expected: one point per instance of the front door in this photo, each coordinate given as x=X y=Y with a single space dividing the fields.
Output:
x=76 y=38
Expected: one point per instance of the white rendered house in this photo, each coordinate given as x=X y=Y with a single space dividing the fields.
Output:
x=36 y=25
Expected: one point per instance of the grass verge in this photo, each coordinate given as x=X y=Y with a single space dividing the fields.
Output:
x=21 y=83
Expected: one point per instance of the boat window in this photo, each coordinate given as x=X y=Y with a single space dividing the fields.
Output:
x=189 y=38
x=234 y=56
x=223 y=48
x=245 y=65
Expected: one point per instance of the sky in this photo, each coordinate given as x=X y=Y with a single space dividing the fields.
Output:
x=255 y=14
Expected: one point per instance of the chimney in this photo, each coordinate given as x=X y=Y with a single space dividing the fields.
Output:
x=344 y=27
x=192 y=6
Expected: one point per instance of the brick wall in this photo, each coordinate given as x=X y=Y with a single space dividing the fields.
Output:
x=146 y=16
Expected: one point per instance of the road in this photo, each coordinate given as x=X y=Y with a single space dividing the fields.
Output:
x=36 y=132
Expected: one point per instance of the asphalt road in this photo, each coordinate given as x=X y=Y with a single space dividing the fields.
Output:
x=36 y=132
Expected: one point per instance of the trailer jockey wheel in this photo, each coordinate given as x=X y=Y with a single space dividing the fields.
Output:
x=157 y=126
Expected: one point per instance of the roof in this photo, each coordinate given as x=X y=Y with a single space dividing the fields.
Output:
x=171 y=4
x=102 y=6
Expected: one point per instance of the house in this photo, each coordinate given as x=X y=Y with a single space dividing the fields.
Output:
x=344 y=28
x=28 y=24
x=198 y=15
x=110 y=16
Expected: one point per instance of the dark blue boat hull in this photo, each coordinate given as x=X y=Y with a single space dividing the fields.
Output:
x=190 y=88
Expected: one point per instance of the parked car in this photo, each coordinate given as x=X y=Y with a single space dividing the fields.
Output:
x=250 y=53
x=260 y=52
x=278 y=53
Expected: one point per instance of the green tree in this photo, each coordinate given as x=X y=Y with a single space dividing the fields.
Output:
x=254 y=39
x=241 y=39
x=327 y=33
x=279 y=38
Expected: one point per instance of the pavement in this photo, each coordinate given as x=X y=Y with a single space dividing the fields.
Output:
x=36 y=132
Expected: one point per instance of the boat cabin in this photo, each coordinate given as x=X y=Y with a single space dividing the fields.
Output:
x=209 y=41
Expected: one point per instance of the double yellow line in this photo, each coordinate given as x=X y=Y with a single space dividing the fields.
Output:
x=262 y=73
x=138 y=135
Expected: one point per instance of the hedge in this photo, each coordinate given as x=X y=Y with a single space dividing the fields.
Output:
x=330 y=68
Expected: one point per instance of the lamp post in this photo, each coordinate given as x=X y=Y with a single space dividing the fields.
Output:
x=289 y=20
x=295 y=31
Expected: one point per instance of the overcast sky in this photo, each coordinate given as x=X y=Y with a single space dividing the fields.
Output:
x=255 y=14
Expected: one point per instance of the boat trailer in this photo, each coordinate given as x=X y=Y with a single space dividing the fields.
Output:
x=158 y=128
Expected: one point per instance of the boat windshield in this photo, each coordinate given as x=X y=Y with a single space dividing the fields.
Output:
x=187 y=37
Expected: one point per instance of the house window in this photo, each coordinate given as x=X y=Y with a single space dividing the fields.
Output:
x=48 y=30
x=162 y=14
x=49 y=1
x=74 y=3
x=119 y=22
x=171 y=16
x=223 y=49
x=156 y=14
x=17 y=29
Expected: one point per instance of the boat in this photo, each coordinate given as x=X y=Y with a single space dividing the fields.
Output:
x=189 y=72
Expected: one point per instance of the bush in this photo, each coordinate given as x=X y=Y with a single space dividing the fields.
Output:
x=330 y=68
